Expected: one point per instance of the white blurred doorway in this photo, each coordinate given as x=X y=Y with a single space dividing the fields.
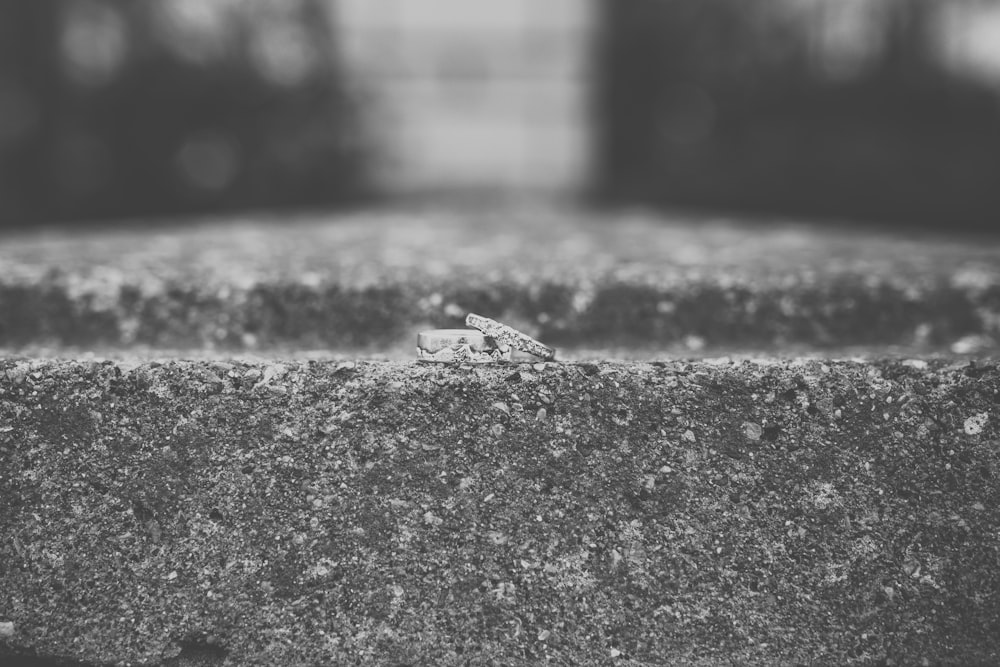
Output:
x=473 y=96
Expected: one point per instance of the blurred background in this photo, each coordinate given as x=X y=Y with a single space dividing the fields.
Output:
x=868 y=110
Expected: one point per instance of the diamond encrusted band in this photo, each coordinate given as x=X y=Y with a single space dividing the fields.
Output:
x=508 y=337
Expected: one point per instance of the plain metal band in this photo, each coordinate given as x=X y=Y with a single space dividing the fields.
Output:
x=461 y=354
x=435 y=340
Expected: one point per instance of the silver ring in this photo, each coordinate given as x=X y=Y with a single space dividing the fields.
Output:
x=459 y=346
x=507 y=337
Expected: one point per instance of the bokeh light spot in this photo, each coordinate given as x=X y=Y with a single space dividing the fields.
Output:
x=93 y=42
x=208 y=162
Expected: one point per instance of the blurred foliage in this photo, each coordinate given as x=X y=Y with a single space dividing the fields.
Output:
x=132 y=108
x=764 y=107
x=142 y=108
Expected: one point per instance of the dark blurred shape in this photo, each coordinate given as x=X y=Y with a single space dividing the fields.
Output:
x=840 y=108
x=132 y=108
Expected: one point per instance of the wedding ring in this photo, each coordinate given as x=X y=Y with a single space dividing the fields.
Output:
x=508 y=337
x=459 y=346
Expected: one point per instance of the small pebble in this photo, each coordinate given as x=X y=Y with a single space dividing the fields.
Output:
x=974 y=424
x=18 y=373
x=6 y=628
x=752 y=431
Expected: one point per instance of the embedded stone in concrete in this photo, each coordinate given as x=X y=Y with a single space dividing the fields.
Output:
x=756 y=513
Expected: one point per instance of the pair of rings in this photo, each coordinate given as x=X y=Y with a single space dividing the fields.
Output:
x=487 y=342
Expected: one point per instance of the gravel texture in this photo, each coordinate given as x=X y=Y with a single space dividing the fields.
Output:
x=367 y=281
x=311 y=513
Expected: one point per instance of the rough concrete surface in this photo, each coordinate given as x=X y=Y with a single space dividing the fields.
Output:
x=574 y=279
x=311 y=513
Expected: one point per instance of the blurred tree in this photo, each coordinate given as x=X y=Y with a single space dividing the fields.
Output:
x=29 y=97
x=770 y=107
x=142 y=108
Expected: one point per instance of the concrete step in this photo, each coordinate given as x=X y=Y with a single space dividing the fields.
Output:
x=365 y=282
x=337 y=512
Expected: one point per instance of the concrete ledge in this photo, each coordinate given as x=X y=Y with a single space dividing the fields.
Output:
x=367 y=281
x=393 y=513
